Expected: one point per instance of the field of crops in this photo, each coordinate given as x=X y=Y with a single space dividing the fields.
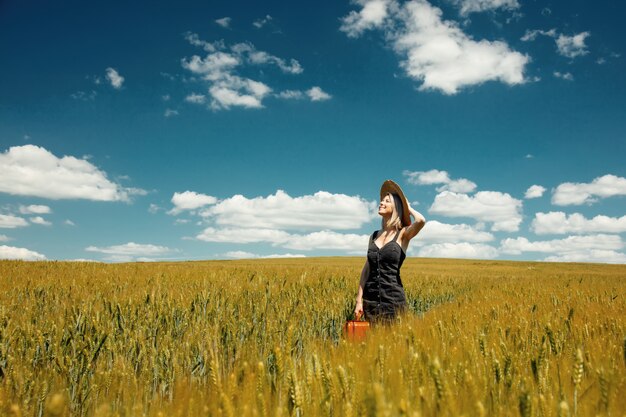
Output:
x=263 y=337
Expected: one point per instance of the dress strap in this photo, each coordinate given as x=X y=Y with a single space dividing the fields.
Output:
x=374 y=235
x=397 y=233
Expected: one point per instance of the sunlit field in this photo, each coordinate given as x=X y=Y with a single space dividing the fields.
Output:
x=264 y=337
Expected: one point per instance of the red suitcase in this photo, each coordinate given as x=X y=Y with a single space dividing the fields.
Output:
x=356 y=330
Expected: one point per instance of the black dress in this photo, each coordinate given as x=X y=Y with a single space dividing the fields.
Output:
x=383 y=294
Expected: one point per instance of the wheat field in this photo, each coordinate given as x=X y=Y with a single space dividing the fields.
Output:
x=264 y=338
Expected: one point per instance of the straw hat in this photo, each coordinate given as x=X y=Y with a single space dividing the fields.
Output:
x=395 y=190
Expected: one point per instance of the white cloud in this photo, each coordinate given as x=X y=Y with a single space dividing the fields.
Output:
x=444 y=58
x=195 y=40
x=567 y=46
x=458 y=250
x=81 y=260
x=35 y=209
x=8 y=221
x=501 y=209
x=129 y=252
x=68 y=222
x=215 y=66
x=557 y=222
x=4 y=238
x=170 y=113
x=534 y=191
x=572 y=46
x=10 y=252
x=564 y=76
x=327 y=240
x=226 y=88
x=462 y=185
x=595 y=255
x=284 y=255
x=580 y=193
x=562 y=246
x=317 y=94
x=224 y=22
x=129 y=258
x=436 y=52
x=437 y=232
x=474 y=6
x=239 y=254
x=321 y=210
x=314 y=94
x=322 y=240
x=226 y=97
x=261 y=58
x=114 y=78
x=34 y=171
x=131 y=248
x=268 y=220
x=531 y=35
x=40 y=220
x=259 y=23
x=190 y=200
x=434 y=176
x=290 y=94
x=196 y=98
x=239 y=235
x=371 y=16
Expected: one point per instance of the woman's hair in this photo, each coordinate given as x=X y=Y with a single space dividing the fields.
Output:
x=394 y=221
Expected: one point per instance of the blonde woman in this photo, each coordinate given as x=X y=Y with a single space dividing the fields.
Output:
x=381 y=294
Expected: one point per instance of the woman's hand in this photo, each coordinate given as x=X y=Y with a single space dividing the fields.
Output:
x=358 y=310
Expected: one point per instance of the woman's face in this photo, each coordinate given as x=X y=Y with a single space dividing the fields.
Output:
x=386 y=206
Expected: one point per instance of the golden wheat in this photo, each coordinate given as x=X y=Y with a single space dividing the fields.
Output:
x=263 y=337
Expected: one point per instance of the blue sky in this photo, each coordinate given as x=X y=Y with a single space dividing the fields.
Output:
x=224 y=130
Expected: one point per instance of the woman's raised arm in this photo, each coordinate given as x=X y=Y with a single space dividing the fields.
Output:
x=416 y=226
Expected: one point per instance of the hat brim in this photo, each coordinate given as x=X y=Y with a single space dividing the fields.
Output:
x=393 y=188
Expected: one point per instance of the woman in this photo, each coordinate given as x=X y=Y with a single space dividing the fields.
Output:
x=381 y=295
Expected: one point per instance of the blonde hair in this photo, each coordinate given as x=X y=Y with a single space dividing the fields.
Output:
x=394 y=221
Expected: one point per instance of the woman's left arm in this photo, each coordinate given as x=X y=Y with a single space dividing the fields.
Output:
x=419 y=221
